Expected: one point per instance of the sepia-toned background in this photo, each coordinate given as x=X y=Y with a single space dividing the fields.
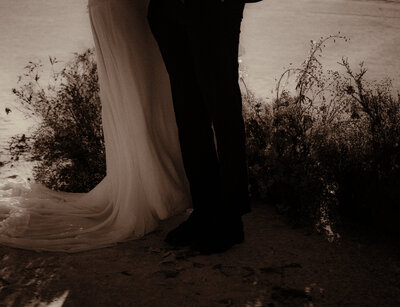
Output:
x=275 y=33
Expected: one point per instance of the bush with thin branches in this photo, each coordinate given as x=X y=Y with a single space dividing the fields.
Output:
x=68 y=143
x=330 y=149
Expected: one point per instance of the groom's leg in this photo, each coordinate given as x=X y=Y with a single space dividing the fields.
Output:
x=202 y=65
x=214 y=37
x=228 y=119
x=193 y=120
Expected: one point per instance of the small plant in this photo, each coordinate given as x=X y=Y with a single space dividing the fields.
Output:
x=67 y=143
x=329 y=150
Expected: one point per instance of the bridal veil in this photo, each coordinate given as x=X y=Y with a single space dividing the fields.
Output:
x=145 y=178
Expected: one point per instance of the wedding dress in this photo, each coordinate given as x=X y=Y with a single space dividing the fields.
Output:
x=145 y=178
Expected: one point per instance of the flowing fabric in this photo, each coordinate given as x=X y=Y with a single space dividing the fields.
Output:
x=145 y=179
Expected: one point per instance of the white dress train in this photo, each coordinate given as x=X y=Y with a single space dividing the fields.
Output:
x=145 y=178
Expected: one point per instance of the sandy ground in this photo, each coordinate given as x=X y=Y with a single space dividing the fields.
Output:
x=276 y=266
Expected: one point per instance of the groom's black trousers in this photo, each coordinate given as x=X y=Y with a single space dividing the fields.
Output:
x=199 y=44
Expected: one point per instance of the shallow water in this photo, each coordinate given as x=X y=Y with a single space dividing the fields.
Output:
x=278 y=32
x=274 y=34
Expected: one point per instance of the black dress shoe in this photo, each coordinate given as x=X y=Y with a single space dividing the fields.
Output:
x=219 y=236
x=185 y=233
